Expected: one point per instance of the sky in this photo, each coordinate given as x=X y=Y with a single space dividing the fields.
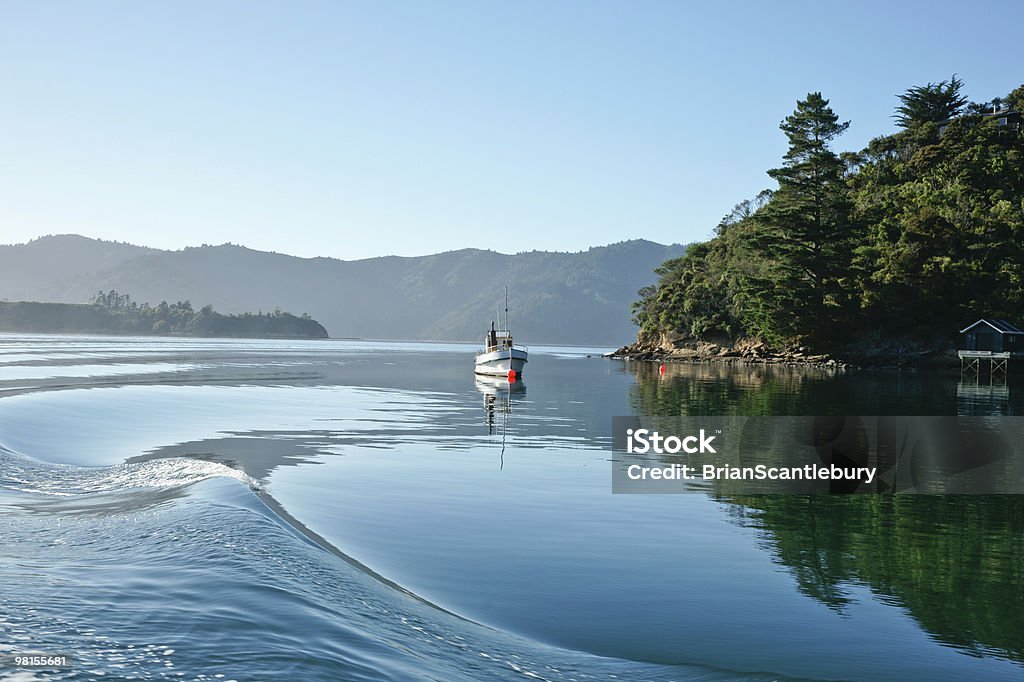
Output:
x=360 y=129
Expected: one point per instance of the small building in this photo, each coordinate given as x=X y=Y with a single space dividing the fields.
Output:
x=992 y=336
x=1010 y=119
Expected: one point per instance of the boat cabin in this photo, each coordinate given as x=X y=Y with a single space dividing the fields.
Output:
x=994 y=336
x=498 y=339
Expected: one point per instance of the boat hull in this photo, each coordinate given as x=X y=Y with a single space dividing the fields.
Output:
x=499 y=362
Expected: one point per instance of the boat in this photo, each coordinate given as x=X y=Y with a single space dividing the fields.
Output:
x=500 y=357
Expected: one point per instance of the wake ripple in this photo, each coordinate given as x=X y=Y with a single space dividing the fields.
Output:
x=22 y=474
x=171 y=570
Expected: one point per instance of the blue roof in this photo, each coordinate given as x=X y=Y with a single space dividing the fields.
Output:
x=1001 y=326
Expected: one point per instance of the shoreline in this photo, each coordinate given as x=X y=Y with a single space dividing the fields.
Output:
x=761 y=354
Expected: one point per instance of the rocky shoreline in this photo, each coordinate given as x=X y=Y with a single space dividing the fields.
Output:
x=755 y=352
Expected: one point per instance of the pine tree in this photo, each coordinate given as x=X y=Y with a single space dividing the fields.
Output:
x=933 y=102
x=805 y=233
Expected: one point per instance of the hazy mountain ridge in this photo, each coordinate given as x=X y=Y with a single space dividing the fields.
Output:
x=555 y=297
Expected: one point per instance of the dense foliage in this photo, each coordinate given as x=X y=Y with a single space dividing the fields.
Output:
x=114 y=313
x=900 y=243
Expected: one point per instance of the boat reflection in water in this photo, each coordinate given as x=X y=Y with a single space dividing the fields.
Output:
x=498 y=394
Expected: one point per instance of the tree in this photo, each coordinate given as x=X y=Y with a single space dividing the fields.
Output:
x=933 y=102
x=805 y=231
x=949 y=235
x=1015 y=100
x=896 y=244
x=111 y=300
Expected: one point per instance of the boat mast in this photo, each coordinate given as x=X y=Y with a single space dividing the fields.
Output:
x=506 y=310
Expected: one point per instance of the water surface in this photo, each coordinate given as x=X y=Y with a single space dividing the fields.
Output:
x=360 y=510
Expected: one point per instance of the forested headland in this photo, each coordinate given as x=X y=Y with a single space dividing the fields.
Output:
x=114 y=313
x=878 y=254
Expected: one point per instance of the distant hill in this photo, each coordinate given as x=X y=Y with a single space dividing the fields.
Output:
x=554 y=297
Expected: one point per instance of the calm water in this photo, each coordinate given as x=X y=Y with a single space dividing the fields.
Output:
x=183 y=509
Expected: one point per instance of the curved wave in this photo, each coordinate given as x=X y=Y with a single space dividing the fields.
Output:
x=170 y=569
x=23 y=474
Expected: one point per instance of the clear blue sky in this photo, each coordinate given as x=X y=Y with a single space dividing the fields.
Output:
x=356 y=129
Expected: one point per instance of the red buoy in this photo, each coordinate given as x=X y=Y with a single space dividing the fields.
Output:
x=511 y=376
x=661 y=370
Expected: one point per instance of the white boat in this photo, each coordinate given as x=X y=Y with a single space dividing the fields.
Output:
x=499 y=357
